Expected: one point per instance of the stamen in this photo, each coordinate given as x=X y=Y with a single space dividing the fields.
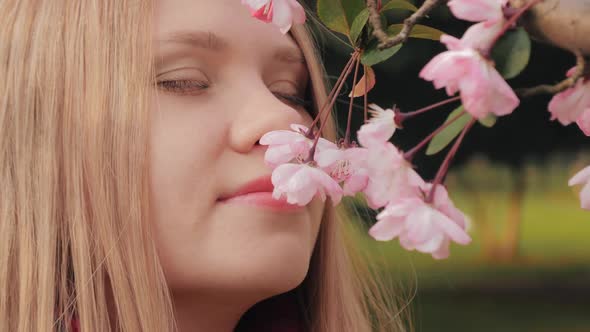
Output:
x=342 y=171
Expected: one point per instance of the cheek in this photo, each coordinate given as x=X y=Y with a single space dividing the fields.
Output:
x=182 y=177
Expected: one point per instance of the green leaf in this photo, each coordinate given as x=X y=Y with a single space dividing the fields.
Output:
x=446 y=136
x=489 y=121
x=419 y=31
x=338 y=15
x=372 y=55
x=353 y=8
x=332 y=14
x=398 y=4
x=511 y=53
x=358 y=24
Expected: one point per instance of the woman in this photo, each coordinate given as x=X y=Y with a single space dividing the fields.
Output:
x=129 y=132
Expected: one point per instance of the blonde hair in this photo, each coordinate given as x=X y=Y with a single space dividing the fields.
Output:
x=74 y=171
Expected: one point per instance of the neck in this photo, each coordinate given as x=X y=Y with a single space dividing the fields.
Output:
x=200 y=313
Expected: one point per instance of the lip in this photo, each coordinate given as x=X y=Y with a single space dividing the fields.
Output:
x=258 y=192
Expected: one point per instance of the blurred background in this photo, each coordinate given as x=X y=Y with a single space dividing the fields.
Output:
x=528 y=268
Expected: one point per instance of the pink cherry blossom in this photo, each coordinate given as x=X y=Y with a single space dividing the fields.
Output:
x=282 y=13
x=477 y=10
x=390 y=176
x=573 y=104
x=286 y=146
x=583 y=177
x=421 y=226
x=380 y=127
x=345 y=165
x=583 y=121
x=301 y=182
x=463 y=68
x=479 y=36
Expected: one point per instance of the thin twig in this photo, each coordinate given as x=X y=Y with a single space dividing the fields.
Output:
x=563 y=85
x=352 y=92
x=444 y=167
x=512 y=21
x=384 y=40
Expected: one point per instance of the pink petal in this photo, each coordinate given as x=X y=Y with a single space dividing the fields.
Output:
x=291 y=180
x=443 y=251
x=277 y=155
x=328 y=157
x=263 y=13
x=297 y=11
x=447 y=69
x=379 y=129
x=480 y=36
x=255 y=4
x=585 y=197
x=432 y=245
x=452 y=229
x=567 y=105
x=420 y=225
x=387 y=229
x=391 y=221
x=282 y=15
x=580 y=177
x=280 y=137
x=476 y=10
x=356 y=183
x=484 y=91
x=583 y=121
x=452 y=43
x=328 y=185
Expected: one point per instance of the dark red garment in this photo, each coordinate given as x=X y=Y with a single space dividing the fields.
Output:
x=277 y=314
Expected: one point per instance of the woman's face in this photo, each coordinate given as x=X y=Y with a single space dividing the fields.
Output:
x=222 y=80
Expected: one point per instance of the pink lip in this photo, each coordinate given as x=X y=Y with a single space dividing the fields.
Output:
x=259 y=193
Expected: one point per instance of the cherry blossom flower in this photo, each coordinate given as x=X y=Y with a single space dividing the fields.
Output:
x=573 y=104
x=463 y=68
x=421 y=226
x=477 y=10
x=583 y=121
x=301 y=182
x=286 y=146
x=380 y=127
x=345 y=165
x=390 y=176
x=282 y=13
x=583 y=177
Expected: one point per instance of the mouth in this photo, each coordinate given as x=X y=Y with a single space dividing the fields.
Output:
x=258 y=193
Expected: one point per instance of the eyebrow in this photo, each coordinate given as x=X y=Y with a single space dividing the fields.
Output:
x=210 y=41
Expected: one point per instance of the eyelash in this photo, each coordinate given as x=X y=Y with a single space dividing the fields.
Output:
x=183 y=87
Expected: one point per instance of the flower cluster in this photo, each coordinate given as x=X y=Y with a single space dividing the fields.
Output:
x=573 y=104
x=282 y=13
x=466 y=66
x=420 y=214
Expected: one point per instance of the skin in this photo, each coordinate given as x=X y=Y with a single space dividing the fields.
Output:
x=221 y=259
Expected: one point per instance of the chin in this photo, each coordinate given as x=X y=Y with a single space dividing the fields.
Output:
x=279 y=268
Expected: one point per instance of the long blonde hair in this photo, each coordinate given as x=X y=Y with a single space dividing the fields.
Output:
x=74 y=236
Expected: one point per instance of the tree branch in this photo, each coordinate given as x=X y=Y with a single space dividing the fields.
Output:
x=384 y=40
x=563 y=85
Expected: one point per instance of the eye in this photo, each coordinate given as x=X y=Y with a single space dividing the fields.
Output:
x=294 y=99
x=291 y=93
x=183 y=87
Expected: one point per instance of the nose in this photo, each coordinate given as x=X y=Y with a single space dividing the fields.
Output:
x=257 y=112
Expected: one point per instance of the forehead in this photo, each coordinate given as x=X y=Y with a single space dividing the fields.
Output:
x=219 y=25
